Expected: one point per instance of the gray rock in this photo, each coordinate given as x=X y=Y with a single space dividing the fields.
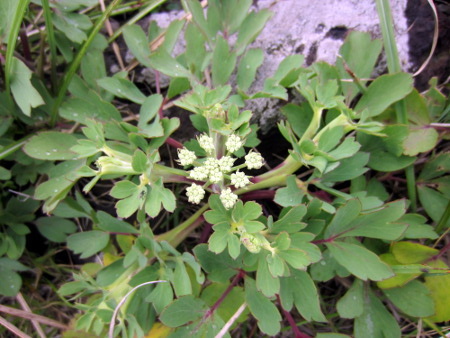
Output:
x=315 y=29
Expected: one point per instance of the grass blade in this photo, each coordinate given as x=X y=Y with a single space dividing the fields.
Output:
x=12 y=42
x=51 y=41
x=76 y=62
x=393 y=61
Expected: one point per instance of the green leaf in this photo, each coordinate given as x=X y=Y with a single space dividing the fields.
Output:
x=384 y=91
x=123 y=189
x=400 y=277
x=348 y=168
x=149 y=111
x=219 y=239
x=55 y=229
x=291 y=195
x=265 y=281
x=343 y=217
x=73 y=25
x=109 y=223
x=229 y=305
x=351 y=305
x=90 y=106
x=252 y=210
x=306 y=297
x=137 y=43
x=296 y=258
x=139 y=161
x=161 y=296
x=24 y=93
x=263 y=309
x=411 y=253
x=440 y=292
x=380 y=223
x=223 y=62
x=111 y=273
x=247 y=68
x=413 y=299
x=127 y=207
x=433 y=202
x=10 y=283
x=87 y=243
x=51 y=146
x=220 y=267
x=360 y=53
x=361 y=262
x=375 y=321
x=250 y=28
x=182 y=311
x=417 y=227
x=122 y=88
x=166 y=64
x=290 y=221
x=420 y=141
x=157 y=197
x=181 y=281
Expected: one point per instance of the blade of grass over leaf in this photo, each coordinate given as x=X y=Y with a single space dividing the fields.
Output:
x=142 y=13
x=393 y=61
x=12 y=41
x=76 y=62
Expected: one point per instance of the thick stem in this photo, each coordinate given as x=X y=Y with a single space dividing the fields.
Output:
x=178 y=234
x=288 y=316
x=230 y=287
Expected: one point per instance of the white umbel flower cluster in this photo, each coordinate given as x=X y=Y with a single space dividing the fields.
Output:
x=226 y=163
x=207 y=143
x=254 y=160
x=195 y=193
x=186 y=157
x=228 y=198
x=234 y=143
x=218 y=171
x=239 y=179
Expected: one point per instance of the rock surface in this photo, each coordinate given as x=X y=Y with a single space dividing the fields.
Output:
x=315 y=29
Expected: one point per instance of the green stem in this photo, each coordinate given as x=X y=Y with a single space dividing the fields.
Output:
x=178 y=234
x=12 y=41
x=286 y=168
x=76 y=62
x=444 y=219
x=51 y=41
x=13 y=147
x=394 y=66
x=136 y=18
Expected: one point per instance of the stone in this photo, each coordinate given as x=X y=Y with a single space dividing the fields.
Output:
x=315 y=29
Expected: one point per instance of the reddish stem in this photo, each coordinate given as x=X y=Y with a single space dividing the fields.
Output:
x=288 y=316
x=441 y=252
x=25 y=46
x=205 y=233
x=327 y=240
x=258 y=195
x=230 y=287
x=157 y=82
x=174 y=143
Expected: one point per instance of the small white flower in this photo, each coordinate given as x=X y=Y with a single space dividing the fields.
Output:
x=186 y=157
x=233 y=143
x=228 y=198
x=195 y=193
x=225 y=163
x=215 y=176
x=254 y=160
x=239 y=179
x=211 y=164
x=207 y=143
x=199 y=173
